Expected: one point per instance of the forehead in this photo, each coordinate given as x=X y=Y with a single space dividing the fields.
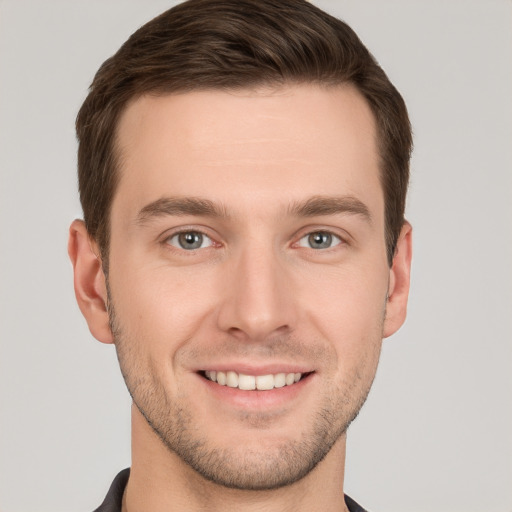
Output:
x=250 y=145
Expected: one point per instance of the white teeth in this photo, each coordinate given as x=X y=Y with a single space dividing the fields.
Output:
x=232 y=379
x=290 y=379
x=246 y=382
x=265 y=382
x=250 y=382
x=279 y=380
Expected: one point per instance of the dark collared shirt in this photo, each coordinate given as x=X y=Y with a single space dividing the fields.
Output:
x=114 y=498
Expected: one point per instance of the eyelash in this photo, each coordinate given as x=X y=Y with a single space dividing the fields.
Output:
x=332 y=237
x=177 y=234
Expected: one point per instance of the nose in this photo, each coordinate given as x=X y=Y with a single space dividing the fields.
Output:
x=258 y=297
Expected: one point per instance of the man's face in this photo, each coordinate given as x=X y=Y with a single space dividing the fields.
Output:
x=247 y=242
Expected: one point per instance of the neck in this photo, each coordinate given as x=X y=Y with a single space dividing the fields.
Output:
x=160 y=481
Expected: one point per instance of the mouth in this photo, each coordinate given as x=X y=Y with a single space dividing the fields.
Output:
x=245 y=382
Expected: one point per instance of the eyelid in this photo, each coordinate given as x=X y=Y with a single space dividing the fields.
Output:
x=205 y=238
x=171 y=233
x=342 y=235
x=333 y=235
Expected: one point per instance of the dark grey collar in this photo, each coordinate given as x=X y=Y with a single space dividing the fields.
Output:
x=113 y=500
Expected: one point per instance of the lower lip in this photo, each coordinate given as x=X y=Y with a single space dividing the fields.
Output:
x=258 y=399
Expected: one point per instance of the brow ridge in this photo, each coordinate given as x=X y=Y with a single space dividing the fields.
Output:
x=180 y=206
x=330 y=205
x=196 y=206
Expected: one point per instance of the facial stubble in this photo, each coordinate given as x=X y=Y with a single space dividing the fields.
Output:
x=240 y=467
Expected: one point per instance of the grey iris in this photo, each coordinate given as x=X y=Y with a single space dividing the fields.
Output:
x=190 y=240
x=320 y=240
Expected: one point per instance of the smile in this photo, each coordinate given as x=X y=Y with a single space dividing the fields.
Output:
x=250 y=382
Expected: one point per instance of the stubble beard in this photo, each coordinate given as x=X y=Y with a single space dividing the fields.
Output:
x=237 y=467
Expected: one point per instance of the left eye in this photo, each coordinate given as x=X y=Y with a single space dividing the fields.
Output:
x=190 y=240
x=319 y=240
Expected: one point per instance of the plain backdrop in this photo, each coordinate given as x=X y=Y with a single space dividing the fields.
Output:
x=436 y=432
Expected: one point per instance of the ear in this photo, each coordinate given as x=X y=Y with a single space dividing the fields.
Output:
x=399 y=281
x=89 y=281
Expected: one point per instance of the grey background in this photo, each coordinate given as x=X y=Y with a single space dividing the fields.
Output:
x=436 y=433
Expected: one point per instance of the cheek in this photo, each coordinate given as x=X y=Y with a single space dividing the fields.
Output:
x=348 y=310
x=163 y=304
x=346 y=291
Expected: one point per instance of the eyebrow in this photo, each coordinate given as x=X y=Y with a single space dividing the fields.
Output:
x=330 y=205
x=180 y=206
x=196 y=206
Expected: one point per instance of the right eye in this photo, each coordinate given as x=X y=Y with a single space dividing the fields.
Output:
x=320 y=240
x=189 y=240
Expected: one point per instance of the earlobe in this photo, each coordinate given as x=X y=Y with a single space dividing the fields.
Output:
x=89 y=281
x=399 y=282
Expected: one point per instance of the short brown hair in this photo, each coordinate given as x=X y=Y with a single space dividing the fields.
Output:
x=229 y=44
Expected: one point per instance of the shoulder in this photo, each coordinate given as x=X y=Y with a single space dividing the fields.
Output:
x=353 y=506
x=114 y=498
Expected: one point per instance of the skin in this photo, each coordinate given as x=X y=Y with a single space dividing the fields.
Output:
x=257 y=297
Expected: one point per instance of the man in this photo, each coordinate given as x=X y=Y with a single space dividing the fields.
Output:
x=243 y=166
